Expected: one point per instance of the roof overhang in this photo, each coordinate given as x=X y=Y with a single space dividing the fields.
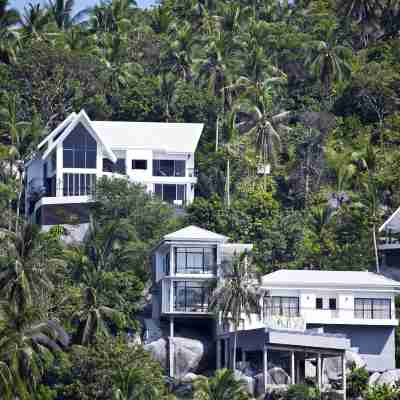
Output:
x=82 y=118
x=392 y=223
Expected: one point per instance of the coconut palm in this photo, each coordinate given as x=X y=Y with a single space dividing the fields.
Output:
x=26 y=341
x=28 y=260
x=9 y=18
x=236 y=298
x=93 y=319
x=256 y=117
x=222 y=386
x=329 y=61
x=34 y=19
x=62 y=13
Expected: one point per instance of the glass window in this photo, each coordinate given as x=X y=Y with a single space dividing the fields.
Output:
x=78 y=184
x=139 y=164
x=319 y=304
x=191 y=297
x=169 y=167
x=180 y=168
x=332 y=304
x=281 y=306
x=79 y=149
x=121 y=166
x=195 y=260
x=372 y=308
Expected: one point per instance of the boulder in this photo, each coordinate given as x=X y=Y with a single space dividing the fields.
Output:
x=278 y=376
x=187 y=354
x=374 y=378
x=389 y=378
x=248 y=380
x=190 y=378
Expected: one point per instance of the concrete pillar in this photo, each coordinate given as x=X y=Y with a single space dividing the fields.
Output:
x=171 y=347
x=319 y=375
x=344 y=376
x=243 y=355
x=226 y=353
x=293 y=367
x=218 y=350
x=265 y=367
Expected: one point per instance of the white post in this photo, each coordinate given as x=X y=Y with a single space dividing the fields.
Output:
x=171 y=347
x=293 y=367
x=319 y=371
x=218 y=353
x=265 y=367
x=344 y=375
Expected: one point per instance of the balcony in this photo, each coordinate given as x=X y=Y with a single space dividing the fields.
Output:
x=191 y=297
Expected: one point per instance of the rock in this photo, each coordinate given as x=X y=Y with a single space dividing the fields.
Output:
x=187 y=354
x=246 y=369
x=248 y=380
x=389 y=377
x=353 y=358
x=374 y=378
x=190 y=378
x=278 y=376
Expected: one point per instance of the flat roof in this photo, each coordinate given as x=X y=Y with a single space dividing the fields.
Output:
x=313 y=278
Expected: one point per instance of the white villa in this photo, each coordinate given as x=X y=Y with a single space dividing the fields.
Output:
x=305 y=315
x=389 y=243
x=62 y=177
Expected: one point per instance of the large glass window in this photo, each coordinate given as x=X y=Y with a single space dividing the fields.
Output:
x=78 y=184
x=372 y=308
x=195 y=260
x=281 y=306
x=79 y=149
x=191 y=297
x=169 y=167
x=173 y=194
x=119 y=167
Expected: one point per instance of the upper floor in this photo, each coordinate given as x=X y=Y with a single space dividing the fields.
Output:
x=70 y=159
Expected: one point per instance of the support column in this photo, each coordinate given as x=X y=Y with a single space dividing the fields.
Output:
x=293 y=368
x=218 y=353
x=171 y=347
x=265 y=367
x=226 y=350
x=243 y=355
x=344 y=376
x=319 y=383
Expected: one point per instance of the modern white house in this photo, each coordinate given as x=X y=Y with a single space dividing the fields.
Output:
x=61 y=178
x=389 y=242
x=305 y=315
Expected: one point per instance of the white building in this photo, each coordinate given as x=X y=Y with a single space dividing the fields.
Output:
x=304 y=315
x=61 y=179
x=389 y=244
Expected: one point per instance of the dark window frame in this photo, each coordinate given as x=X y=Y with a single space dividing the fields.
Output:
x=178 y=187
x=141 y=167
x=332 y=303
x=169 y=170
x=367 y=308
x=281 y=306
x=204 y=268
x=319 y=303
x=203 y=306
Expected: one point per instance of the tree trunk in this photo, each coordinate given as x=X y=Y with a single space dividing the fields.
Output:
x=234 y=348
x=375 y=249
x=228 y=185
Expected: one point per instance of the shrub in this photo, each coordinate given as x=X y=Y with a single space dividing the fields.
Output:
x=302 y=392
x=357 y=382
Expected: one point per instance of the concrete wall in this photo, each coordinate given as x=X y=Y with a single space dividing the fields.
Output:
x=376 y=344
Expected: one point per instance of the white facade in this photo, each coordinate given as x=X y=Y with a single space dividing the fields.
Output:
x=160 y=156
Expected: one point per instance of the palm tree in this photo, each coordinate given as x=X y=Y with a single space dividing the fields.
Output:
x=236 y=298
x=93 y=319
x=9 y=18
x=34 y=19
x=26 y=341
x=329 y=61
x=222 y=386
x=166 y=83
x=28 y=259
x=254 y=112
x=61 y=12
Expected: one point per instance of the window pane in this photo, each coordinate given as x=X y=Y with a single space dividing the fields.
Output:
x=169 y=194
x=82 y=188
x=79 y=158
x=76 y=184
x=70 y=184
x=181 y=193
x=91 y=156
x=121 y=166
x=68 y=159
x=139 y=164
x=65 y=184
x=180 y=168
x=158 y=190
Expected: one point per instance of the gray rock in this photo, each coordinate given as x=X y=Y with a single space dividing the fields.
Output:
x=190 y=378
x=389 y=377
x=278 y=376
x=187 y=354
x=374 y=378
x=248 y=380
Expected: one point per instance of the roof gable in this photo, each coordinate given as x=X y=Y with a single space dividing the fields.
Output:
x=83 y=119
x=311 y=278
x=193 y=232
x=392 y=223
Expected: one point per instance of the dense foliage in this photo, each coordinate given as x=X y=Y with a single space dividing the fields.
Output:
x=308 y=90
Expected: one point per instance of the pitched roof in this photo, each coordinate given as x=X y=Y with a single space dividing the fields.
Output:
x=171 y=137
x=306 y=278
x=193 y=232
x=392 y=223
